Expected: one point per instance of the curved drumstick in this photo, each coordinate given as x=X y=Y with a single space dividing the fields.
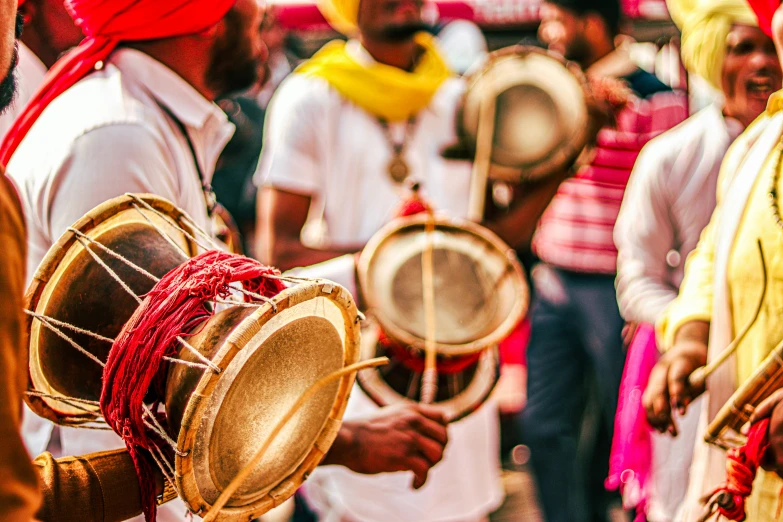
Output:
x=240 y=477
x=698 y=378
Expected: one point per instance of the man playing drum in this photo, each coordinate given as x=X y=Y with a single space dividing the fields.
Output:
x=574 y=319
x=671 y=196
x=724 y=285
x=347 y=132
x=130 y=110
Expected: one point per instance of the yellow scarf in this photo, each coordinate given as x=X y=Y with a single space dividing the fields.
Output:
x=384 y=91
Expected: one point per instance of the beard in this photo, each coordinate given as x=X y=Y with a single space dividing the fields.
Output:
x=402 y=32
x=9 y=83
x=233 y=66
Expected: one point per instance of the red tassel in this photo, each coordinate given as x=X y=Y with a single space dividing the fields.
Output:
x=174 y=307
x=414 y=204
x=741 y=467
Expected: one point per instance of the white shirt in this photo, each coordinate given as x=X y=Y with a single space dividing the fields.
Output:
x=321 y=145
x=29 y=75
x=104 y=137
x=669 y=200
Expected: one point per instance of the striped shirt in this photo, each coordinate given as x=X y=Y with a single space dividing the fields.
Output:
x=575 y=232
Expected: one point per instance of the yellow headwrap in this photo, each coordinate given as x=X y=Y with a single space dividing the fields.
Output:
x=341 y=14
x=705 y=24
x=382 y=90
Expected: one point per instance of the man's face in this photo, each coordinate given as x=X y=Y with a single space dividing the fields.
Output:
x=238 y=49
x=563 y=31
x=390 y=20
x=10 y=29
x=751 y=72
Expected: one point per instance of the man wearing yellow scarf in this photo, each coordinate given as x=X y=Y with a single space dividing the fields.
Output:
x=723 y=282
x=345 y=135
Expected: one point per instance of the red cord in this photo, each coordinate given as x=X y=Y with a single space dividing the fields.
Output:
x=415 y=363
x=741 y=467
x=174 y=307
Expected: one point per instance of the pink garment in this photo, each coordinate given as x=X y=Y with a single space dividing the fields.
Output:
x=630 y=463
x=513 y=349
x=575 y=232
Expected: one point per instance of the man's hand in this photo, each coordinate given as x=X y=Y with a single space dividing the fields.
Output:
x=408 y=437
x=629 y=331
x=668 y=385
x=772 y=408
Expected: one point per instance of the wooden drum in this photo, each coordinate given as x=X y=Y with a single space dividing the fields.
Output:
x=260 y=357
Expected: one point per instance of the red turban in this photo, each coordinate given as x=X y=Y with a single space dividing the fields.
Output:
x=106 y=23
x=765 y=10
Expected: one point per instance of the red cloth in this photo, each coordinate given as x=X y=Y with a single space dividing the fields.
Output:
x=765 y=10
x=105 y=24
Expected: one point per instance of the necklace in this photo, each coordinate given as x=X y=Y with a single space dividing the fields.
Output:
x=398 y=168
x=773 y=189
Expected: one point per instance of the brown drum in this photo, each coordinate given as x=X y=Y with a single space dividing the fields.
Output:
x=479 y=295
x=261 y=357
x=530 y=107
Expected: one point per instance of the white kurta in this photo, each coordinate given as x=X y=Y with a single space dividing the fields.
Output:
x=104 y=137
x=29 y=75
x=321 y=145
x=669 y=200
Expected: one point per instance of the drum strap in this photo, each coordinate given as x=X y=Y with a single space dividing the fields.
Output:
x=209 y=194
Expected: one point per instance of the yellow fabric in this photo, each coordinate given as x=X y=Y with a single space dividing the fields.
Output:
x=745 y=287
x=341 y=14
x=705 y=24
x=382 y=90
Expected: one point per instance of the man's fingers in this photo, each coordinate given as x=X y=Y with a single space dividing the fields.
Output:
x=656 y=398
x=431 y=428
x=764 y=409
x=679 y=390
x=432 y=413
x=420 y=467
x=430 y=449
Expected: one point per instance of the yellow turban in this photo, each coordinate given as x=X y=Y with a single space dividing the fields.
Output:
x=341 y=14
x=705 y=24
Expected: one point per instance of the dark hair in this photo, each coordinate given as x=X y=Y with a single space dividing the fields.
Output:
x=608 y=10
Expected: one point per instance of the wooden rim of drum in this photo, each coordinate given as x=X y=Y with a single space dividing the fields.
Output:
x=51 y=262
x=562 y=156
x=405 y=337
x=456 y=408
x=198 y=404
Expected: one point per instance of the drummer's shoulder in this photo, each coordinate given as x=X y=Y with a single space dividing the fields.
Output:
x=300 y=92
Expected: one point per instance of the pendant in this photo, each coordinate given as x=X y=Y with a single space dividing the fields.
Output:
x=398 y=168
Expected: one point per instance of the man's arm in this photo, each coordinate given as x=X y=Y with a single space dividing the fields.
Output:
x=99 y=487
x=19 y=495
x=644 y=234
x=398 y=438
x=281 y=216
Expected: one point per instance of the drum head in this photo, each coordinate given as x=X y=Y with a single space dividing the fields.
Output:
x=71 y=287
x=459 y=393
x=268 y=359
x=540 y=110
x=479 y=287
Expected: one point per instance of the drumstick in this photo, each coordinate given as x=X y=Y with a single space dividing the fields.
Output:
x=240 y=477
x=485 y=135
x=429 y=379
x=698 y=378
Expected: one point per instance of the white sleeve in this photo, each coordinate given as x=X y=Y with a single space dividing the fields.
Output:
x=103 y=164
x=293 y=155
x=644 y=234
